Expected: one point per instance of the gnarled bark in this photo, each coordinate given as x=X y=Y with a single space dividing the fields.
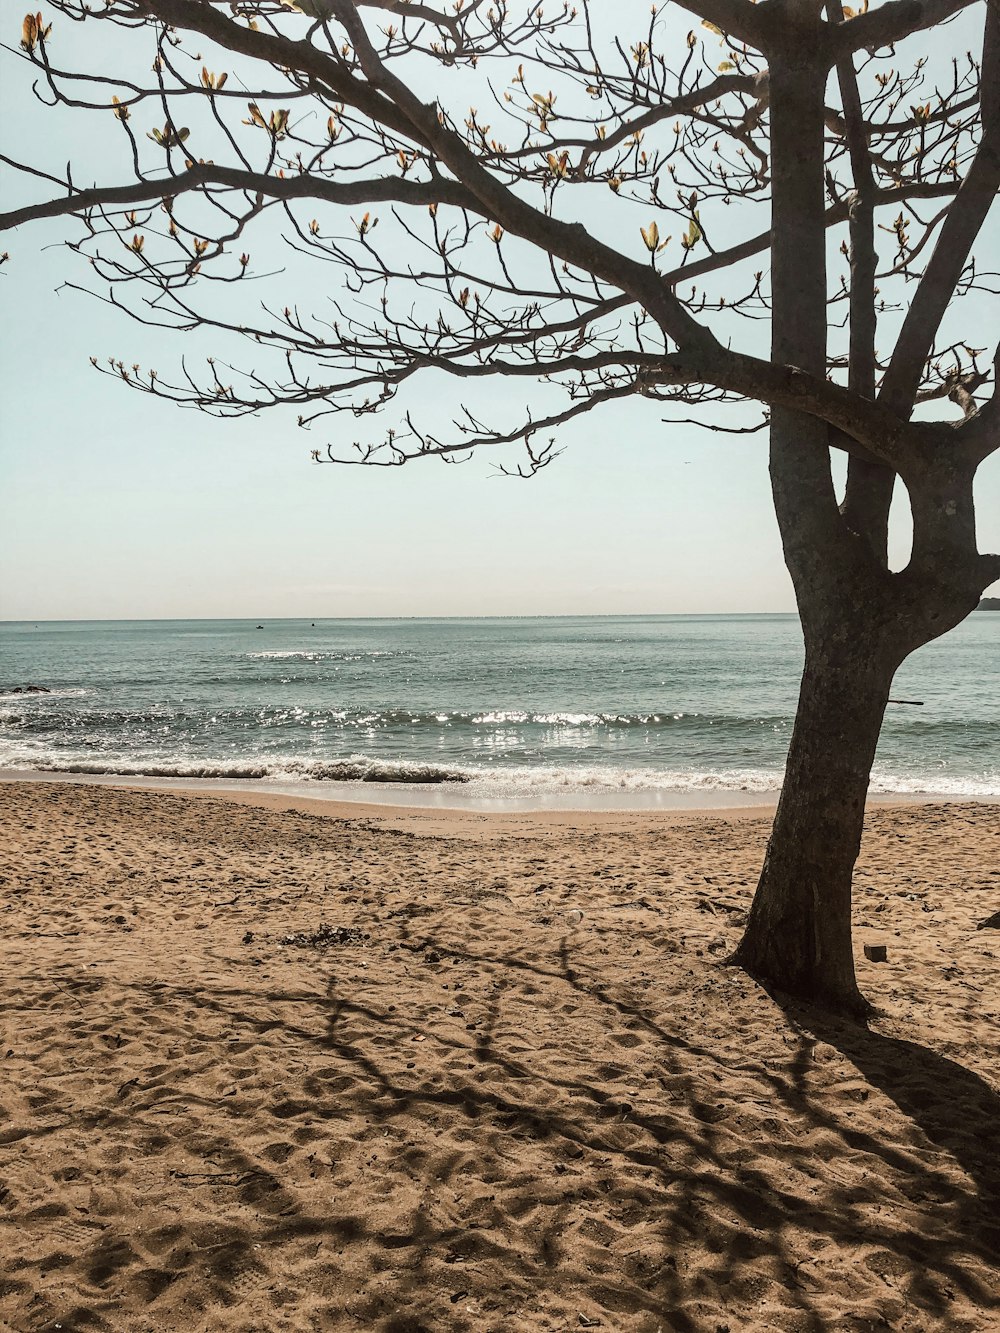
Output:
x=799 y=933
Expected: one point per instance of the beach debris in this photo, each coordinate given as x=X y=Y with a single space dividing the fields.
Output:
x=248 y=937
x=323 y=936
x=876 y=953
x=991 y=922
x=715 y=905
x=574 y=917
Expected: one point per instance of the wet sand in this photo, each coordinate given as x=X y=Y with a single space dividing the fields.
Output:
x=269 y=1067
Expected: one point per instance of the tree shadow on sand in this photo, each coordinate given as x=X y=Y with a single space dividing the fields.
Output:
x=425 y=1172
x=954 y=1109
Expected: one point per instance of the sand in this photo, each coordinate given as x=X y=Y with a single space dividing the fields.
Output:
x=268 y=1069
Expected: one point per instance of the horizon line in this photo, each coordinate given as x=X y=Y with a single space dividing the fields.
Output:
x=510 y=615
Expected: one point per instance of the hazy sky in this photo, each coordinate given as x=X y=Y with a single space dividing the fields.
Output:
x=114 y=505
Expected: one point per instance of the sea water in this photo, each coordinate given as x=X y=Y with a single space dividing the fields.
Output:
x=632 y=707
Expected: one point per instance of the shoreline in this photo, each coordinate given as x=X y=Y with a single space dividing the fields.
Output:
x=425 y=804
x=455 y=798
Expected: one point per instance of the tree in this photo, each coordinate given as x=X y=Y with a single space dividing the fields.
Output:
x=485 y=132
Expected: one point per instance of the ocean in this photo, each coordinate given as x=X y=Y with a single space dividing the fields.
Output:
x=604 y=710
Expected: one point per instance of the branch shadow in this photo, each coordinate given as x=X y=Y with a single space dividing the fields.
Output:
x=955 y=1109
x=429 y=1173
x=313 y=1145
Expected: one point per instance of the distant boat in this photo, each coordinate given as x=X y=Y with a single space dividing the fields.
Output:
x=260 y=626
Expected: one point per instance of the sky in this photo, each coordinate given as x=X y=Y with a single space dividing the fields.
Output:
x=114 y=505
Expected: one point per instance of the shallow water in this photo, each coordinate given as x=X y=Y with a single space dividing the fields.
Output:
x=509 y=708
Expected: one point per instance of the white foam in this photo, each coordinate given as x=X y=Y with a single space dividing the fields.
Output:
x=941 y=784
x=500 y=782
x=14 y=695
x=356 y=768
x=313 y=655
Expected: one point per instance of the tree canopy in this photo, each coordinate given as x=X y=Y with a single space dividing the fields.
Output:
x=459 y=167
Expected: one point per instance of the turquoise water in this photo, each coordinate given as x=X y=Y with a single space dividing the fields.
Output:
x=508 y=707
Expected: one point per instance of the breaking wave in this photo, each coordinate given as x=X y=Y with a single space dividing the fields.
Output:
x=318 y=655
x=501 y=781
x=358 y=768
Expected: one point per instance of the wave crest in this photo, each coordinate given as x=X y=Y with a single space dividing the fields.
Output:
x=319 y=655
x=357 y=768
x=494 y=783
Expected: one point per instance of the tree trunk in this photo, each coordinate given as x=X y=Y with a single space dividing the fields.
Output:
x=799 y=933
x=859 y=620
x=798 y=937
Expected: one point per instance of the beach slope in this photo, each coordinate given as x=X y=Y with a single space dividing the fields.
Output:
x=267 y=1069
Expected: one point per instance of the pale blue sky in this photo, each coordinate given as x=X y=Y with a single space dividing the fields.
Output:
x=114 y=505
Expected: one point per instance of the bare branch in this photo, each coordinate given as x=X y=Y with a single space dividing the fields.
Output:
x=958 y=234
x=890 y=23
x=383 y=189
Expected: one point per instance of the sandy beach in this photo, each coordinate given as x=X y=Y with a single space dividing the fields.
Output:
x=269 y=1067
